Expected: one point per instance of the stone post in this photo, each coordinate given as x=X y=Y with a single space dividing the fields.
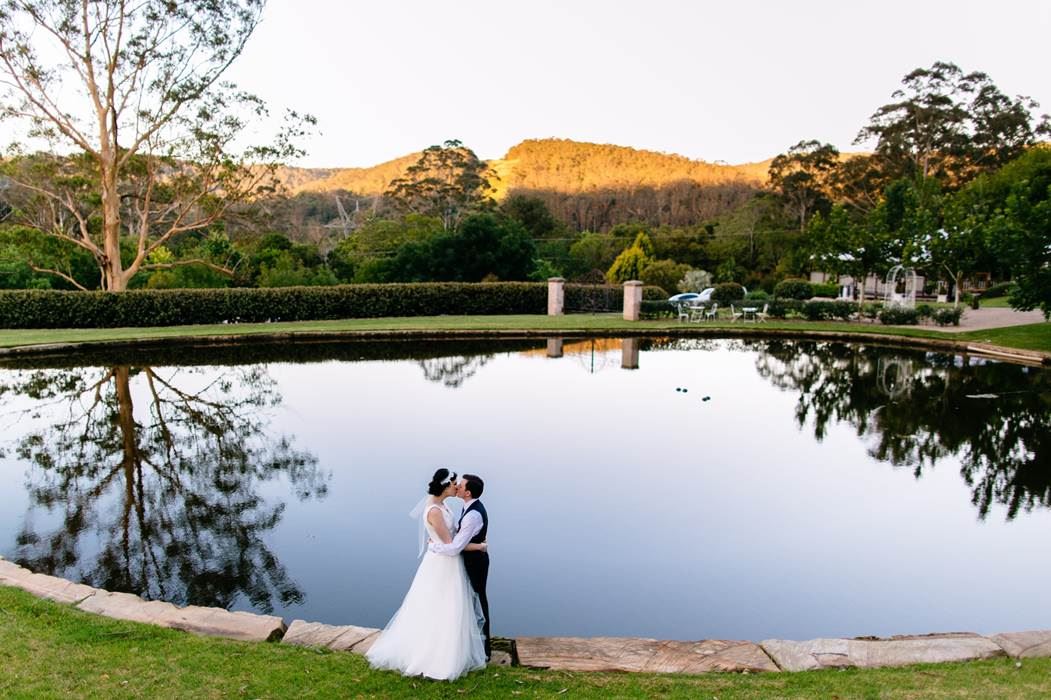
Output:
x=556 y=295
x=632 y=300
x=554 y=347
x=629 y=353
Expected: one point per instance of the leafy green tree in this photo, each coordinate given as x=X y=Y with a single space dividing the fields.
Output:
x=644 y=243
x=802 y=178
x=361 y=256
x=592 y=251
x=950 y=125
x=486 y=245
x=665 y=274
x=631 y=262
x=533 y=214
x=729 y=271
x=850 y=245
x=447 y=182
x=24 y=251
x=133 y=91
x=1010 y=211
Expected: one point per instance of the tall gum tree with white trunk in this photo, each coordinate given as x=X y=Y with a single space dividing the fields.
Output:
x=144 y=140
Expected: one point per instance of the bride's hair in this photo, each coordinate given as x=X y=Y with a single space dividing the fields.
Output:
x=442 y=478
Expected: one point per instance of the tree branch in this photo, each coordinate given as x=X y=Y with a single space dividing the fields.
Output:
x=58 y=273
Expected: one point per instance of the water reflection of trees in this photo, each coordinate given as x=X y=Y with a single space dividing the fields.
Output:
x=994 y=417
x=161 y=471
x=453 y=371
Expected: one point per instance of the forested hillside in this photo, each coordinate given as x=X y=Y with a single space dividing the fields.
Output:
x=587 y=186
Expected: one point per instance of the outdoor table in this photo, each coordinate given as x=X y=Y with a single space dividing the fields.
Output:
x=747 y=311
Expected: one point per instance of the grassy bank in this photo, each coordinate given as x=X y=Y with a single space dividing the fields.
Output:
x=1031 y=337
x=53 y=651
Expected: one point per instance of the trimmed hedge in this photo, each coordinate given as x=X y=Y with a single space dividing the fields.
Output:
x=650 y=309
x=176 y=307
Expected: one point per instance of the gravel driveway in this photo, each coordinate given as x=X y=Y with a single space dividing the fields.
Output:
x=980 y=319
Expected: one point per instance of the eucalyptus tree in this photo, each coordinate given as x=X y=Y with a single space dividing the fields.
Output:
x=951 y=125
x=802 y=178
x=145 y=140
x=448 y=182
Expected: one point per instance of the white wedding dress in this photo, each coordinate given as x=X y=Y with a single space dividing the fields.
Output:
x=436 y=632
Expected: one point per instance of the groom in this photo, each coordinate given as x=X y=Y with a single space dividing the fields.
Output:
x=474 y=527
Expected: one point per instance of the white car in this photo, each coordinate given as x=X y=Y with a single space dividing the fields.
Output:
x=706 y=294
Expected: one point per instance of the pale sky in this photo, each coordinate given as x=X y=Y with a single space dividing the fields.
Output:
x=735 y=81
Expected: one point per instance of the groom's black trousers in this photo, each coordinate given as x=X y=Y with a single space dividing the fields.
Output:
x=477 y=565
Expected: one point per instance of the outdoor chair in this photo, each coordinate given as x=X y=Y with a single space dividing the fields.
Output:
x=734 y=313
x=712 y=313
x=684 y=310
x=764 y=314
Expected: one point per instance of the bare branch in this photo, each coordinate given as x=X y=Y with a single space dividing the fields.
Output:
x=58 y=273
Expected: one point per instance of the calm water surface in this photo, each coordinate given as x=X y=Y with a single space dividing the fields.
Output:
x=822 y=489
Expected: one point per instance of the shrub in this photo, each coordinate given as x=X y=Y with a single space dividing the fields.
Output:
x=781 y=308
x=826 y=289
x=163 y=307
x=976 y=301
x=925 y=311
x=948 y=316
x=870 y=311
x=828 y=310
x=695 y=281
x=656 y=309
x=899 y=316
x=664 y=274
x=757 y=295
x=794 y=289
x=1003 y=289
x=727 y=293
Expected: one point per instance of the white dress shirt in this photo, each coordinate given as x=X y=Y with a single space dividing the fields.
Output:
x=470 y=526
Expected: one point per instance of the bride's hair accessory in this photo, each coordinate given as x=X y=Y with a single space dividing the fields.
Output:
x=441 y=480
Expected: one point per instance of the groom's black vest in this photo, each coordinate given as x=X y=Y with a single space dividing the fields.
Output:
x=477 y=506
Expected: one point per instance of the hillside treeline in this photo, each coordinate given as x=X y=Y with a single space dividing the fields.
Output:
x=682 y=203
x=587 y=186
x=956 y=187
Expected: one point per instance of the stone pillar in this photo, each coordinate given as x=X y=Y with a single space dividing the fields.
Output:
x=554 y=347
x=556 y=295
x=629 y=353
x=632 y=300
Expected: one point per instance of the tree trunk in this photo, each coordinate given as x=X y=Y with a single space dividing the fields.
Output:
x=113 y=272
x=956 y=288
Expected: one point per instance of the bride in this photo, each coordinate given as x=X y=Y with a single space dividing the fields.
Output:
x=436 y=632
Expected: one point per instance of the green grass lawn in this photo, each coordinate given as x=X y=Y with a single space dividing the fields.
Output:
x=54 y=651
x=1031 y=337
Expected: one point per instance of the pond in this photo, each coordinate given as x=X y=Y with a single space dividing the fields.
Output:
x=678 y=489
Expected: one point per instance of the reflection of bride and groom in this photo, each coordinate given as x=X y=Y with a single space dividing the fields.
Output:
x=441 y=630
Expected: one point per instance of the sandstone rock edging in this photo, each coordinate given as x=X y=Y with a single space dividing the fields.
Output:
x=560 y=653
